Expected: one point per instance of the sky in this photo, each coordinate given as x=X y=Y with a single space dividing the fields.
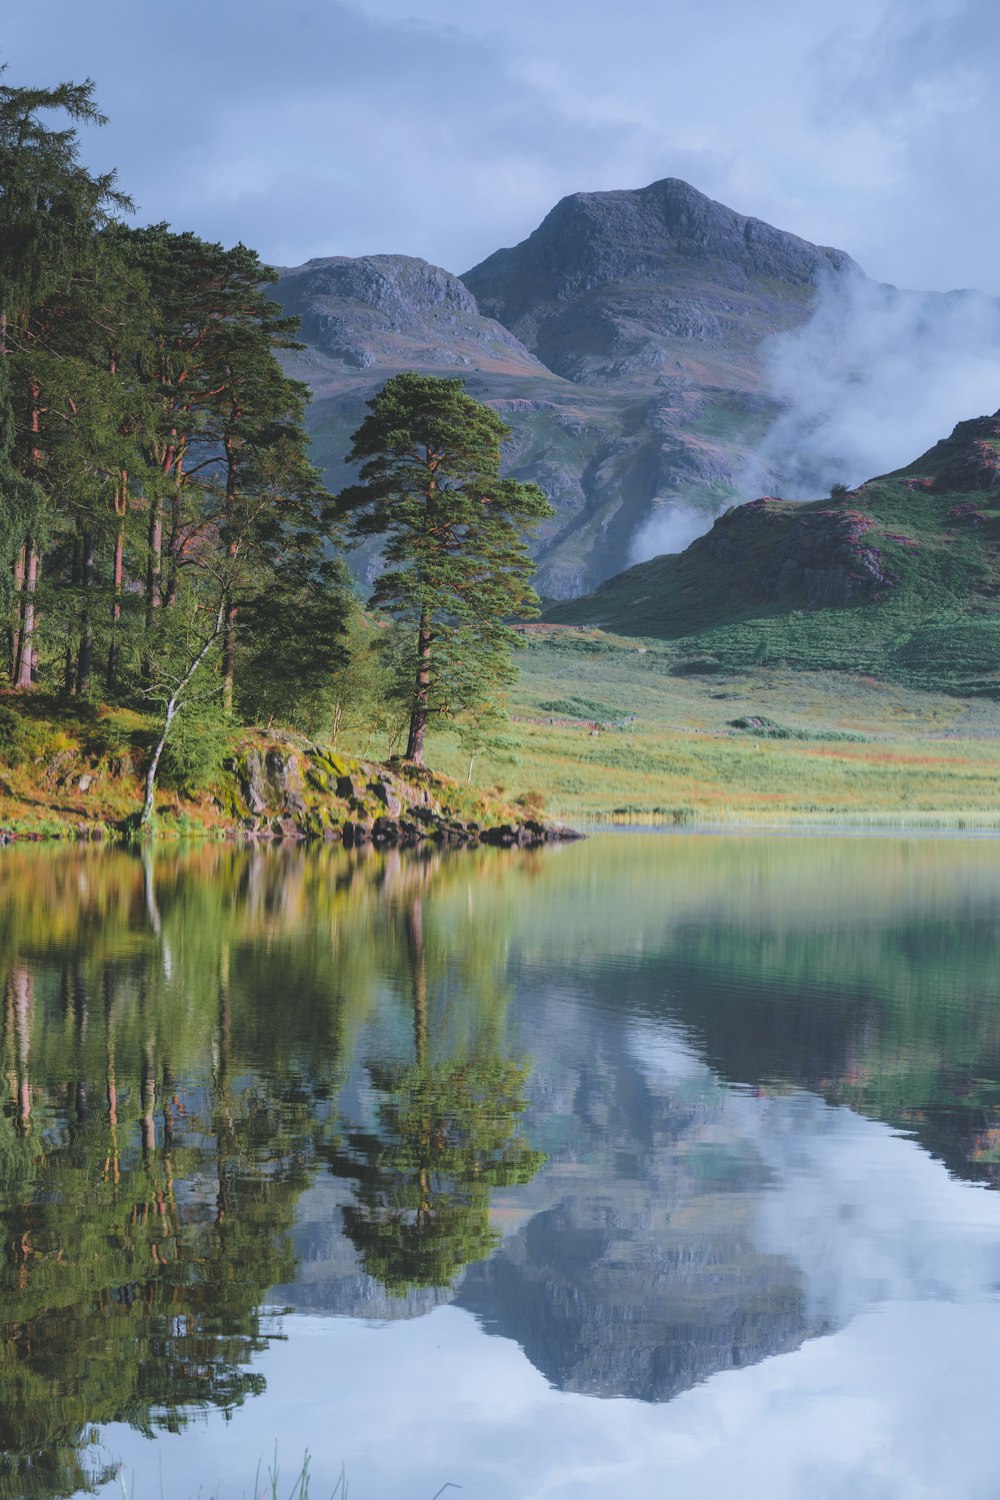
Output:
x=448 y=128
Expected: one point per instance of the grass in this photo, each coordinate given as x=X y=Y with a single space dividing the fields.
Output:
x=848 y=749
x=937 y=627
x=71 y=769
x=267 y=1485
x=611 y=729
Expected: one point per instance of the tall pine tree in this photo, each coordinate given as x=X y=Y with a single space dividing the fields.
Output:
x=457 y=566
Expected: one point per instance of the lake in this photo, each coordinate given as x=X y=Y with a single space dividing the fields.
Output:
x=659 y=1165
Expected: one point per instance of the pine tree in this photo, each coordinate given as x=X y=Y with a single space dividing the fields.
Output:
x=457 y=567
x=50 y=211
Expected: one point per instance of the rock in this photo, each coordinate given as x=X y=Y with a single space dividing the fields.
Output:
x=820 y=558
x=383 y=790
x=285 y=776
x=254 y=784
x=84 y=783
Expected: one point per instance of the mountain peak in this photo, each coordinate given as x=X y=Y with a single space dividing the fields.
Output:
x=371 y=311
x=650 y=282
x=590 y=239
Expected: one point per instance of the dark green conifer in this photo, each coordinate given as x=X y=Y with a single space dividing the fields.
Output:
x=457 y=567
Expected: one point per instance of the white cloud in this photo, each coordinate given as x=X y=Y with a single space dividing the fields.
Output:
x=871 y=381
x=447 y=128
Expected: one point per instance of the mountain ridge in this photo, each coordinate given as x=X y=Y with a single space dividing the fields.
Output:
x=626 y=338
x=899 y=577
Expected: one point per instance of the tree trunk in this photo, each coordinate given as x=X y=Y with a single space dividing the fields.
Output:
x=421 y=693
x=229 y=639
x=24 y=675
x=114 y=649
x=85 y=658
x=173 y=549
x=174 y=705
x=148 y=804
x=154 y=565
x=15 y=614
x=229 y=658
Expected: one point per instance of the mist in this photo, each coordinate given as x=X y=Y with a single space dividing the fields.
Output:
x=671 y=526
x=871 y=381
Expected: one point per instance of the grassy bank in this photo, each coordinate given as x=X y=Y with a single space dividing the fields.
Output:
x=71 y=769
x=610 y=729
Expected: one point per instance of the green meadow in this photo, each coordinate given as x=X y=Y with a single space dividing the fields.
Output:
x=618 y=729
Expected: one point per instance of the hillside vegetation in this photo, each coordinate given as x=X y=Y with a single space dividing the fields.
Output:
x=897 y=579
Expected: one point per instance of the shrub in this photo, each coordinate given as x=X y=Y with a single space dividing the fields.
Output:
x=200 y=739
x=15 y=737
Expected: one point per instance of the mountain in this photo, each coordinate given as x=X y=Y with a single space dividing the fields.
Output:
x=898 y=578
x=622 y=341
x=653 y=287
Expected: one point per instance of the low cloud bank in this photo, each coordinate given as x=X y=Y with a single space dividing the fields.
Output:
x=670 y=527
x=873 y=379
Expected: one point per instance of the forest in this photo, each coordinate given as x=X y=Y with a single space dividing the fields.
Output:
x=167 y=544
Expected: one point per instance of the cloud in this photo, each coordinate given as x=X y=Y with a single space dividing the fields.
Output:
x=437 y=128
x=671 y=526
x=872 y=380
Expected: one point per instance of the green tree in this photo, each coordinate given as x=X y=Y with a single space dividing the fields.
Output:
x=50 y=212
x=456 y=564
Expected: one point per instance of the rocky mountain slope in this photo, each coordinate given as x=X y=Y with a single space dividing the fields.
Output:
x=622 y=341
x=898 y=578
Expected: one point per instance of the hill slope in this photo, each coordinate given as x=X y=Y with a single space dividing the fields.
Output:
x=623 y=341
x=899 y=578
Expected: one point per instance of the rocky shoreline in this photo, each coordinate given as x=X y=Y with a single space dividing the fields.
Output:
x=270 y=789
x=318 y=795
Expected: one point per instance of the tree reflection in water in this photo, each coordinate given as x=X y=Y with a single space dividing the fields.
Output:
x=174 y=1037
x=448 y=1133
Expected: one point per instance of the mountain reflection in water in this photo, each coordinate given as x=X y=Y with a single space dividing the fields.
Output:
x=654 y=1108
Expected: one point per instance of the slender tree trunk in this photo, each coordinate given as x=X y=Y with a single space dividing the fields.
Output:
x=173 y=550
x=174 y=705
x=15 y=614
x=422 y=692
x=154 y=565
x=85 y=658
x=229 y=638
x=229 y=658
x=23 y=674
x=114 y=648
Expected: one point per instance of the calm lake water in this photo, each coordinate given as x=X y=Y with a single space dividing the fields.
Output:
x=653 y=1166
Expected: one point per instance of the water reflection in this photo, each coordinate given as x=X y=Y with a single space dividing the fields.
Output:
x=657 y=1112
x=175 y=1035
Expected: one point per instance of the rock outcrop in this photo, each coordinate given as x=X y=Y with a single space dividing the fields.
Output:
x=821 y=559
x=969 y=459
x=278 y=792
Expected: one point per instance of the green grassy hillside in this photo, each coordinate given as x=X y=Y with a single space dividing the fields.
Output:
x=898 y=579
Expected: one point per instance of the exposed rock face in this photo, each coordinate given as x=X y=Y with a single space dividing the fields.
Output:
x=279 y=793
x=379 y=309
x=622 y=342
x=967 y=460
x=642 y=283
x=821 y=560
